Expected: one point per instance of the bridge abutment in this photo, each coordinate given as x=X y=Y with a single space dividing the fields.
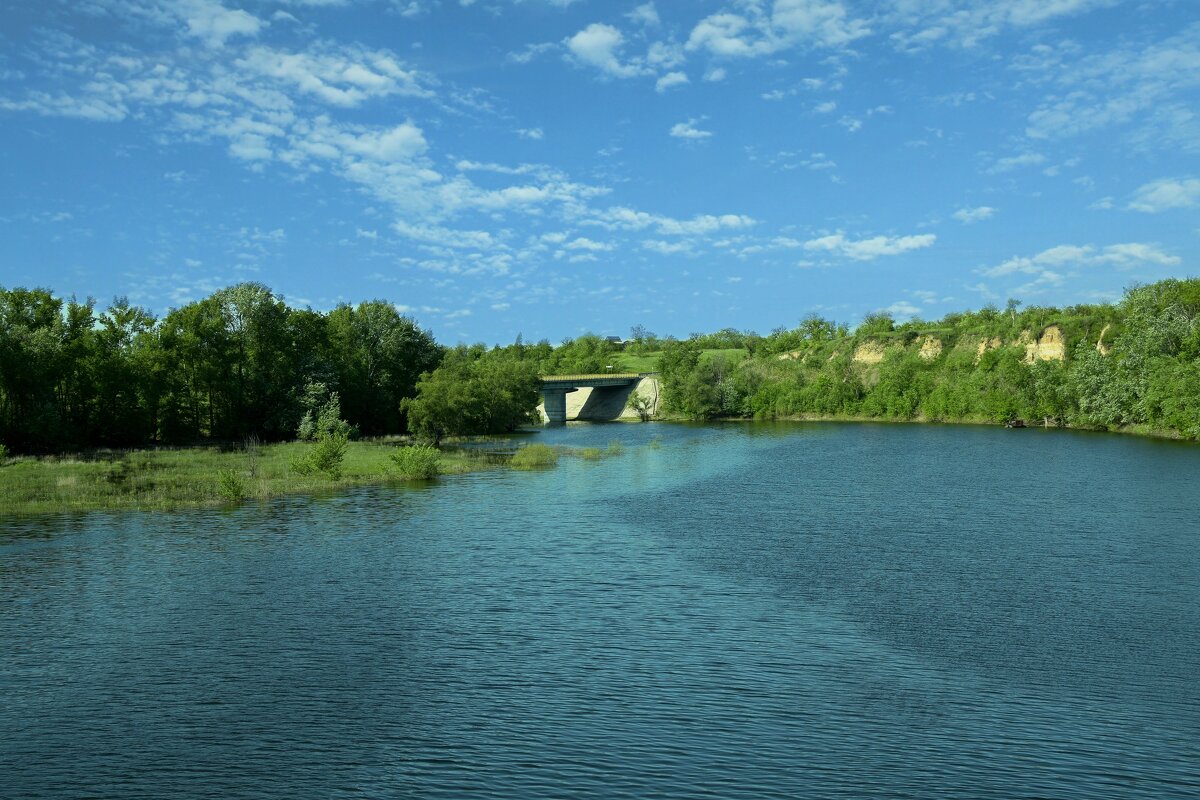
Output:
x=556 y=405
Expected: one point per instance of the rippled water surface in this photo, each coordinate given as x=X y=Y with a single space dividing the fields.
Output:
x=741 y=611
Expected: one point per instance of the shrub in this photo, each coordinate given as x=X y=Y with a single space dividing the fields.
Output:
x=419 y=462
x=231 y=486
x=329 y=454
x=615 y=448
x=641 y=405
x=534 y=456
x=322 y=415
x=591 y=453
x=3 y=454
x=326 y=456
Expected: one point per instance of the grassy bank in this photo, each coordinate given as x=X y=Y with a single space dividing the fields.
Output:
x=171 y=479
x=164 y=480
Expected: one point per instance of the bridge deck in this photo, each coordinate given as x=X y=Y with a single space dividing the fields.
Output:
x=600 y=375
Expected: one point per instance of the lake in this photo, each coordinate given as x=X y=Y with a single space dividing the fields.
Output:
x=728 y=611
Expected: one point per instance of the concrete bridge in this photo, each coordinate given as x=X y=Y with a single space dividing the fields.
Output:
x=609 y=393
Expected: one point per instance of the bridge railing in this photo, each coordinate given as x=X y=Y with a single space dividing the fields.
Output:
x=594 y=377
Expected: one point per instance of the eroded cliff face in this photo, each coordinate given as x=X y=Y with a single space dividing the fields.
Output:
x=870 y=352
x=930 y=347
x=1049 y=345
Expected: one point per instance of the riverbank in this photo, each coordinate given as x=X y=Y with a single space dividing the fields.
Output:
x=1144 y=431
x=172 y=479
x=164 y=480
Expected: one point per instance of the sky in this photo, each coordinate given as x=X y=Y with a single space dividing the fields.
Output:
x=546 y=168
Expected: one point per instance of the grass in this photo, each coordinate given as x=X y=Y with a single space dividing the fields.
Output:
x=170 y=479
x=164 y=480
x=648 y=362
x=534 y=456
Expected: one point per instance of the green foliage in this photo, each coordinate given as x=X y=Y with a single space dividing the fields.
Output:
x=535 y=456
x=474 y=392
x=322 y=414
x=642 y=405
x=418 y=462
x=1148 y=375
x=325 y=456
x=241 y=363
x=615 y=448
x=3 y=455
x=231 y=486
x=591 y=454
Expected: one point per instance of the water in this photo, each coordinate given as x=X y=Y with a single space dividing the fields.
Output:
x=746 y=611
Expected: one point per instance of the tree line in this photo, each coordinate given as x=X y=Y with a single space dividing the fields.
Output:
x=232 y=365
x=1135 y=363
x=242 y=363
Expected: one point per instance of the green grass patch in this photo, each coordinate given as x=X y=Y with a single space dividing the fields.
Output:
x=164 y=480
x=645 y=362
x=535 y=456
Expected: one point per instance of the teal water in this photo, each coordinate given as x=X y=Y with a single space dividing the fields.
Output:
x=746 y=611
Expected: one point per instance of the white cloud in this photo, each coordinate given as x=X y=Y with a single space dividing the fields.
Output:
x=621 y=217
x=923 y=23
x=903 y=308
x=345 y=77
x=669 y=80
x=756 y=31
x=667 y=248
x=598 y=46
x=645 y=14
x=968 y=216
x=715 y=74
x=851 y=124
x=1166 y=193
x=1119 y=86
x=688 y=130
x=531 y=133
x=214 y=23
x=872 y=248
x=1120 y=255
x=1010 y=163
x=827 y=107
x=584 y=243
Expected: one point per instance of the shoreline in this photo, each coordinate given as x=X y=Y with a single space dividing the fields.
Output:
x=188 y=478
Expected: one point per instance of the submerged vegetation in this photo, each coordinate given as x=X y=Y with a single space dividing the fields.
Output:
x=153 y=480
x=534 y=456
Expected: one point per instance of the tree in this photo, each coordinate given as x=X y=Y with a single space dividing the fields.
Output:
x=473 y=394
x=378 y=355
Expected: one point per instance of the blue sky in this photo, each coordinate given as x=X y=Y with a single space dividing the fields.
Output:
x=549 y=167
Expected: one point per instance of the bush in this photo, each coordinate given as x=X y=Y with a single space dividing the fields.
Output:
x=534 y=456
x=615 y=448
x=231 y=486
x=3 y=454
x=326 y=456
x=591 y=454
x=420 y=462
x=642 y=405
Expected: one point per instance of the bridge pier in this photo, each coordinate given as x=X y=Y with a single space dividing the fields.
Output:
x=556 y=405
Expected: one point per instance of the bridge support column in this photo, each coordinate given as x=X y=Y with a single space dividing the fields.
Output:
x=556 y=405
